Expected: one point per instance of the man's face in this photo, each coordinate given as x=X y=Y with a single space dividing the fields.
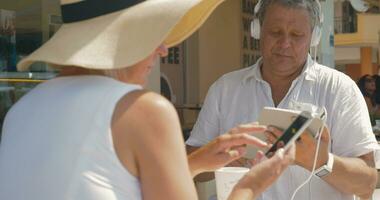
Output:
x=285 y=39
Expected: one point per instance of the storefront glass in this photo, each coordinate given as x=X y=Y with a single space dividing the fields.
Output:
x=24 y=26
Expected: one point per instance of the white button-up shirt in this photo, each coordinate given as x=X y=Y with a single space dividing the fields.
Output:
x=238 y=97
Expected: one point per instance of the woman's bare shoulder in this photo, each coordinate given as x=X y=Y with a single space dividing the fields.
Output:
x=141 y=122
x=143 y=110
x=143 y=102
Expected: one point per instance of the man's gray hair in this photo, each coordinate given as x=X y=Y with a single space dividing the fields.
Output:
x=311 y=6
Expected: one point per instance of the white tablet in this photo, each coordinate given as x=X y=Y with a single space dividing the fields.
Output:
x=282 y=119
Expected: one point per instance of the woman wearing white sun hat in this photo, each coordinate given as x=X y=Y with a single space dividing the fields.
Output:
x=94 y=133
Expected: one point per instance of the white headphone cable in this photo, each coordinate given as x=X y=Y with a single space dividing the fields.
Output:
x=314 y=165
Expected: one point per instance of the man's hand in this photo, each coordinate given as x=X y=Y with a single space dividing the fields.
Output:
x=225 y=148
x=305 y=147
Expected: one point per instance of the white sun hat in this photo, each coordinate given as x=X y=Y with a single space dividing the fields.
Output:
x=104 y=34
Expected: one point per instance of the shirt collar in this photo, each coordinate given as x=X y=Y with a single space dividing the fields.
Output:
x=308 y=71
x=254 y=71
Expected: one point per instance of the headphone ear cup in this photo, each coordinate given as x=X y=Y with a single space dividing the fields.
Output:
x=316 y=36
x=255 y=28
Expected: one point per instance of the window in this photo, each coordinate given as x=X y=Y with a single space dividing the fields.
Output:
x=24 y=26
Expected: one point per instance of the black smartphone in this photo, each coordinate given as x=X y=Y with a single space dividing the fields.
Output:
x=293 y=132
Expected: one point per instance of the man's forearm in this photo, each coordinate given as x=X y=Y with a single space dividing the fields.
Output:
x=354 y=175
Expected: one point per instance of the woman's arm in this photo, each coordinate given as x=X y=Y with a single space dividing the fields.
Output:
x=225 y=148
x=262 y=175
x=149 y=143
x=231 y=146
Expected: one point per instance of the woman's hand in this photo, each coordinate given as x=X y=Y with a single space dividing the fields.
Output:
x=225 y=148
x=263 y=174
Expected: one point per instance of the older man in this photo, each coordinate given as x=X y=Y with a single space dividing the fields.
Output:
x=285 y=73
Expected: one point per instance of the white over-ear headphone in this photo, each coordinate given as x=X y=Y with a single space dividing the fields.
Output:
x=315 y=37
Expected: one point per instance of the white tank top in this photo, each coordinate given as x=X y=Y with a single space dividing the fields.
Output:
x=57 y=143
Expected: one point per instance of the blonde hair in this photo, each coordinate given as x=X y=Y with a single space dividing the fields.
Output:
x=118 y=74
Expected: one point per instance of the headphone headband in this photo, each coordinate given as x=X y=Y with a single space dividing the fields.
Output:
x=316 y=34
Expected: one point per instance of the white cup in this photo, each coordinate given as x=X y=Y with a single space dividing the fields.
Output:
x=226 y=178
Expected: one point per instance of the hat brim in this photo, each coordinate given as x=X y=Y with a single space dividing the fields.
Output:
x=122 y=38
